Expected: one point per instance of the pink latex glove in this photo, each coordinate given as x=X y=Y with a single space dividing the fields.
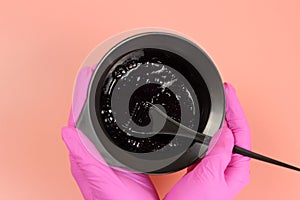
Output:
x=221 y=174
x=94 y=177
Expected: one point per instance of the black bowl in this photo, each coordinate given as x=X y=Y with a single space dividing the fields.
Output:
x=159 y=68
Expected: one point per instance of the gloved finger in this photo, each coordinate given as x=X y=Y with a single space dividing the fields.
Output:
x=236 y=119
x=94 y=171
x=83 y=177
x=92 y=175
x=71 y=121
x=80 y=92
x=76 y=144
x=141 y=179
x=191 y=167
x=94 y=67
x=214 y=142
x=90 y=147
x=237 y=173
x=217 y=160
x=83 y=151
x=80 y=177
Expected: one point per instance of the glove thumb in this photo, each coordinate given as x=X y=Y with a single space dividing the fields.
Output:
x=216 y=161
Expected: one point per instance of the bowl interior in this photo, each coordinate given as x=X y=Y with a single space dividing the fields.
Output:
x=150 y=75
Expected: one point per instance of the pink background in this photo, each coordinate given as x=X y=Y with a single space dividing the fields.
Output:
x=255 y=45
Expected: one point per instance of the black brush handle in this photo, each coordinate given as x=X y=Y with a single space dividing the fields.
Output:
x=205 y=139
x=250 y=154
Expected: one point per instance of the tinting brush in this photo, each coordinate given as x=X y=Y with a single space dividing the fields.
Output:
x=204 y=139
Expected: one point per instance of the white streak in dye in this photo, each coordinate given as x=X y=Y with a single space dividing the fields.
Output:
x=110 y=88
x=155 y=64
x=131 y=70
x=159 y=71
x=133 y=131
x=190 y=96
x=138 y=78
x=169 y=83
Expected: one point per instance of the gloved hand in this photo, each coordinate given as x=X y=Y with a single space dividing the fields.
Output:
x=221 y=174
x=94 y=177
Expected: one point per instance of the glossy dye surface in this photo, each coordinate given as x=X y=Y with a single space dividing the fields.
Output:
x=136 y=81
